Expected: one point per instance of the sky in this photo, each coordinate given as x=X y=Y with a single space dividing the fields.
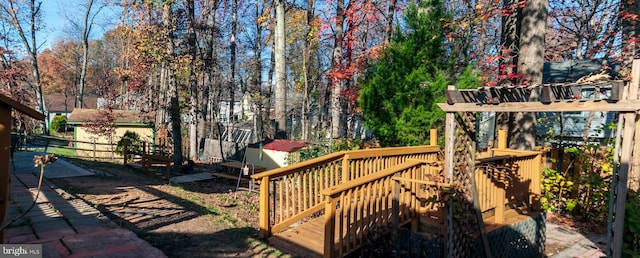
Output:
x=56 y=25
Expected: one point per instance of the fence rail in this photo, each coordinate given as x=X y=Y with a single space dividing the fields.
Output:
x=69 y=147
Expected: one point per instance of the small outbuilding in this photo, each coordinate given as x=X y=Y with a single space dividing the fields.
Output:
x=98 y=131
x=273 y=153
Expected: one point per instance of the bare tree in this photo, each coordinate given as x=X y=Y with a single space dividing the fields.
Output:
x=88 y=21
x=25 y=19
x=232 y=85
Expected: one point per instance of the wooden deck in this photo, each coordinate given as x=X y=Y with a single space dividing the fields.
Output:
x=306 y=240
x=359 y=191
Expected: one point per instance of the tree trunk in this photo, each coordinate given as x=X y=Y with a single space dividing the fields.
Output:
x=530 y=63
x=336 y=103
x=86 y=29
x=257 y=77
x=193 y=83
x=172 y=85
x=281 y=87
x=388 y=29
x=510 y=43
x=232 y=85
x=210 y=61
x=306 y=70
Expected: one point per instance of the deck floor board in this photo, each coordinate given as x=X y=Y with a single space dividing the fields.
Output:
x=305 y=240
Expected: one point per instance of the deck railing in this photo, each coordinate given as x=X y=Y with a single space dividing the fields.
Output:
x=509 y=177
x=370 y=203
x=292 y=193
x=513 y=179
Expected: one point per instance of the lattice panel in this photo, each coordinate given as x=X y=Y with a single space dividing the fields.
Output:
x=464 y=224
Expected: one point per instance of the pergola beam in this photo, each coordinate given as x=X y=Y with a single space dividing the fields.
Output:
x=574 y=106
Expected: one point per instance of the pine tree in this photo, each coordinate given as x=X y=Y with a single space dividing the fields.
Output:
x=400 y=92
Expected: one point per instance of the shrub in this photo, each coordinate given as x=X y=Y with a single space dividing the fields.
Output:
x=631 y=241
x=134 y=143
x=59 y=123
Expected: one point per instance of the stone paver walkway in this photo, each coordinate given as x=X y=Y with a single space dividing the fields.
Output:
x=64 y=225
x=575 y=244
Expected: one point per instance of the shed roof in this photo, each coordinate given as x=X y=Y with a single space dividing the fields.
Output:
x=80 y=116
x=279 y=145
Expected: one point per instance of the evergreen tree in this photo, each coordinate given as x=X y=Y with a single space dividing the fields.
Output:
x=399 y=94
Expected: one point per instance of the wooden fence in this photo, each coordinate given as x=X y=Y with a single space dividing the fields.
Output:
x=72 y=148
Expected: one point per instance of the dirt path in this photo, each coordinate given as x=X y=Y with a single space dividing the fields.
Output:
x=201 y=219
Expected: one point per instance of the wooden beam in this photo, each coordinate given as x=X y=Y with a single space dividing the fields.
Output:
x=634 y=173
x=449 y=155
x=22 y=108
x=620 y=106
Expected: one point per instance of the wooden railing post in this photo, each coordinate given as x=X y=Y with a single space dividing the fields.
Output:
x=500 y=202
x=265 y=224
x=502 y=139
x=329 y=227
x=395 y=205
x=126 y=151
x=345 y=169
x=500 y=186
x=433 y=137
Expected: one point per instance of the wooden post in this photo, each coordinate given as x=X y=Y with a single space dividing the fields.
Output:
x=5 y=155
x=143 y=161
x=126 y=151
x=625 y=167
x=345 y=169
x=500 y=191
x=449 y=155
x=502 y=139
x=265 y=224
x=395 y=205
x=6 y=105
x=500 y=202
x=634 y=173
x=329 y=227
x=433 y=140
x=94 y=149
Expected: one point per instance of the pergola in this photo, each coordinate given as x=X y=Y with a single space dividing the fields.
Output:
x=6 y=105
x=460 y=136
